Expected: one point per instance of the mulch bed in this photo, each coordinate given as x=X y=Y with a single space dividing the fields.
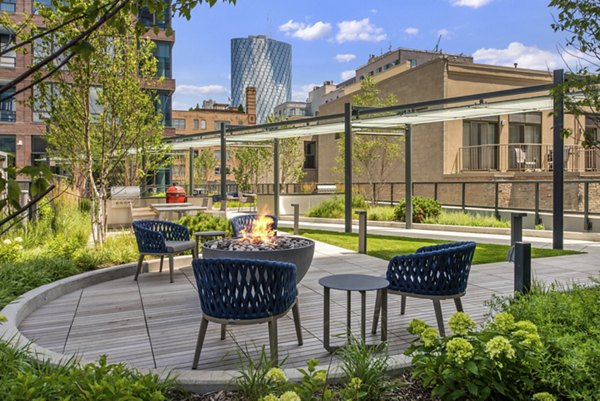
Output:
x=404 y=388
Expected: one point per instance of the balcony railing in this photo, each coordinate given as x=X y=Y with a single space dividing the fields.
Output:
x=527 y=157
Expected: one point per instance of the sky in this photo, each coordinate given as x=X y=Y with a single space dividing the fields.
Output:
x=331 y=38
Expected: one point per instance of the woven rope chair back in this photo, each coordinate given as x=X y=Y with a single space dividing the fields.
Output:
x=244 y=223
x=151 y=235
x=439 y=272
x=241 y=289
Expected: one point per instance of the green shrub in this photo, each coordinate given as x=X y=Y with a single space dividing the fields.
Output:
x=116 y=250
x=205 y=222
x=364 y=369
x=422 y=208
x=498 y=362
x=569 y=324
x=23 y=378
x=381 y=213
x=19 y=277
x=333 y=208
x=467 y=219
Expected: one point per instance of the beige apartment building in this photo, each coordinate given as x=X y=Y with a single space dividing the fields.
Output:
x=517 y=146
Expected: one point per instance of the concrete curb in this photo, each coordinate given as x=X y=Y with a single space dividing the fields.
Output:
x=191 y=380
x=581 y=236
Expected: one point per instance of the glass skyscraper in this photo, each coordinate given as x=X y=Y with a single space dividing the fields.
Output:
x=265 y=64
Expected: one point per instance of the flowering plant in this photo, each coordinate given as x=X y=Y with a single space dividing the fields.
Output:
x=11 y=250
x=497 y=361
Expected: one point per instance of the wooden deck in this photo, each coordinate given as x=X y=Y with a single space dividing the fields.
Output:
x=154 y=324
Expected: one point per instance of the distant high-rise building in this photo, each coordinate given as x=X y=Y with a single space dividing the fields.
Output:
x=265 y=64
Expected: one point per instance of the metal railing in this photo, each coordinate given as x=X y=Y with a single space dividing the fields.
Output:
x=528 y=157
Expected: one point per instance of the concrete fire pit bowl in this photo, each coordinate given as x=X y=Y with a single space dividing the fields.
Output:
x=296 y=250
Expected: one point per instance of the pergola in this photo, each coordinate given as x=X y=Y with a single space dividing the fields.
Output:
x=396 y=120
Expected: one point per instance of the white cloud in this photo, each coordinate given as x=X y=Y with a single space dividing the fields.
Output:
x=411 y=31
x=470 y=3
x=527 y=57
x=300 y=94
x=306 y=32
x=345 y=58
x=443 y=32
x=363 y=30
x=374 y=11
x=345 y=75
x=201 y=90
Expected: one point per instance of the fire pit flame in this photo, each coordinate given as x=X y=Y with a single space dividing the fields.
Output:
x=261 y=231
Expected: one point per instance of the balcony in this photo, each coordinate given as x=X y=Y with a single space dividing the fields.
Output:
x=525 y=157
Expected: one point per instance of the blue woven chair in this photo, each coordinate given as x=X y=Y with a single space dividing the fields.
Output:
x=161 y=238
x=434 y=272
x=243 y=291
x=244 y=222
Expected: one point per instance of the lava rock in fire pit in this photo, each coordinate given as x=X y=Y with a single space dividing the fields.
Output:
x=275 y=243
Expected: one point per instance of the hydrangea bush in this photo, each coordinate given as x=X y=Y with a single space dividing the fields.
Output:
x=498 y=361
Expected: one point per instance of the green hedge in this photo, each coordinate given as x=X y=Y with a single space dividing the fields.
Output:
x=422 y=208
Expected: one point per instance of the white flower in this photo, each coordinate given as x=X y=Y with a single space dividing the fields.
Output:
x=7 y=242
x=18 y=240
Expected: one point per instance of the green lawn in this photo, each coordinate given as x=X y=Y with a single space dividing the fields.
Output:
x=386 y=247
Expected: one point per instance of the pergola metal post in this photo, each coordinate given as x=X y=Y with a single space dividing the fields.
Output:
x=191 y=180
x=558 y=166
x=276 y=177
x=348 y=167
x=408 y=175
x=223 y=169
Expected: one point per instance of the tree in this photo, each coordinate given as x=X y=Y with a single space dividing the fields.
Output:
x=97 y=114
x=89 y=16
x=291 y=160
x=252 y=164
x=580 y=20
x=373 y=156
x=204 y=165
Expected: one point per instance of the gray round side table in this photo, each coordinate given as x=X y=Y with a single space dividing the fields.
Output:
x=202 y=236
x=353 y=282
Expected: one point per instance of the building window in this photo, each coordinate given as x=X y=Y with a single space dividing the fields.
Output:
x=8 y=106
x=39 y=153
x=178 y=123
x=525 y=140
x=310 y=155
x=9 y=59
x=218 y=124
x=162 y=52
x=163 y=103
x=203 y=124
x=8 y=144
x=9 y=6
x=196 y=123
x=413 y=62
x=480 y=144
x=148 y=18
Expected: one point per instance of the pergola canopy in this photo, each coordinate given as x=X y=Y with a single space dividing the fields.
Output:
x=365 y=124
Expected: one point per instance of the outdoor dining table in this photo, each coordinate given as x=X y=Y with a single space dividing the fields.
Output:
x=180 y=210
x=155 y=205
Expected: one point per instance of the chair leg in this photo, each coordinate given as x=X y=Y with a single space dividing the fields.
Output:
x=200 y=342
x=195 y=253
x=438 y=315
x=296 y=313
x=171 y=267
x=273 y=342
x=223 y=331
x=376 y=312
x=162 y=257
x=458 y=304
x=139 y=267
x=403 y=305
